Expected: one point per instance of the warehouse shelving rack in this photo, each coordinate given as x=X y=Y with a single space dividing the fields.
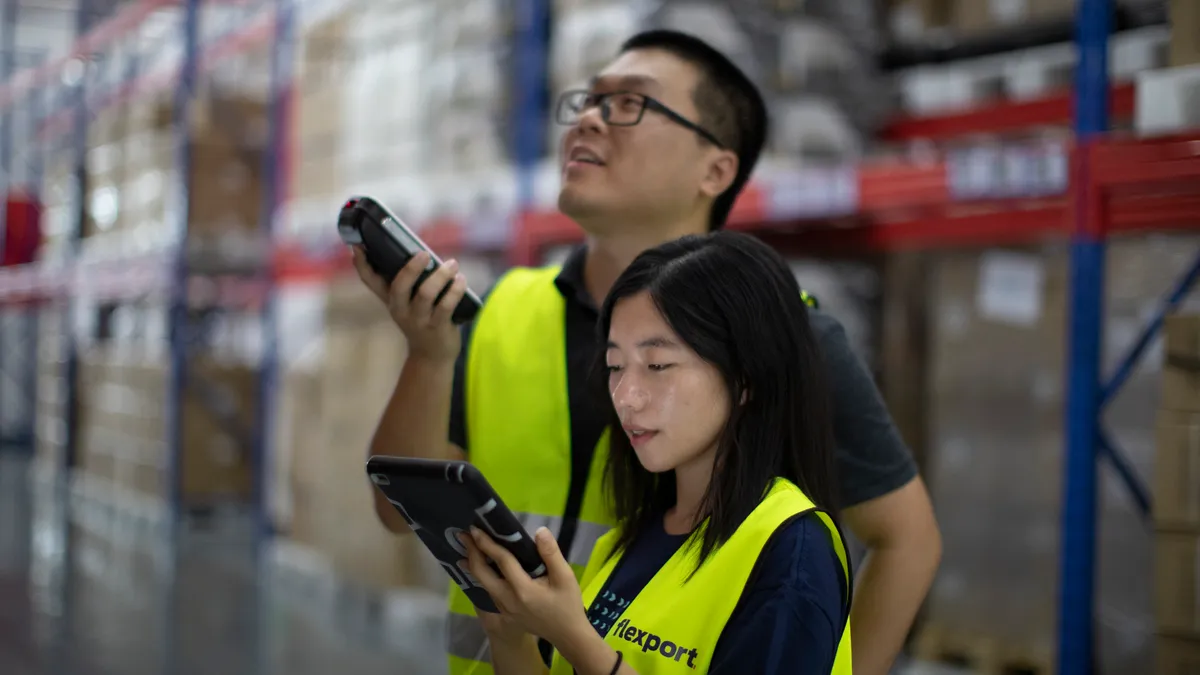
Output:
x=61 y=108
x=1090 y=187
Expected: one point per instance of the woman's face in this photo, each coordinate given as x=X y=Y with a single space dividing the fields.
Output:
x=672 y=404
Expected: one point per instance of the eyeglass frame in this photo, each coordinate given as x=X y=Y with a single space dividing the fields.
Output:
x=648 y=103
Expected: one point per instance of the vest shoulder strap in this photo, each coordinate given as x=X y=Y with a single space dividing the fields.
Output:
x=517 y=282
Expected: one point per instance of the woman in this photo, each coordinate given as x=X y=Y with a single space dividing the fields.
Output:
x=725 y=558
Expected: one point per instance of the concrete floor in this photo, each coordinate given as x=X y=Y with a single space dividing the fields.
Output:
x=84 y=593
x=84 y=596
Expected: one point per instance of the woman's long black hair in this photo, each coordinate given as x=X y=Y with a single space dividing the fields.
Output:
x=734 y=301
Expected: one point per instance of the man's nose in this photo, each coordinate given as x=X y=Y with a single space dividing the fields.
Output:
x=591 y=120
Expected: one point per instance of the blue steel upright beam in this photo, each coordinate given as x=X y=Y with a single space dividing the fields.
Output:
x=177 y=219
x=274 y=175
x=8 y=55
x=78 y=102
x=1077 y=570
x=532 y=87
x=178 y=328
x=273 y=182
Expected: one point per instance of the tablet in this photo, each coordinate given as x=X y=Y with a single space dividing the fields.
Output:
x=389 y=245
x=440 y=499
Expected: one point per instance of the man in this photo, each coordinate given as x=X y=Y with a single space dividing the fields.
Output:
x=659 y=147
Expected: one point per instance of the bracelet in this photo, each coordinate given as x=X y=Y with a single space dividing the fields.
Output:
x=617 y=665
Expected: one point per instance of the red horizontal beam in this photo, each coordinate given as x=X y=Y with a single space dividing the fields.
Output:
x=108 y=31
x=1134 y=162
x=1155 y=213
x=1003 y=117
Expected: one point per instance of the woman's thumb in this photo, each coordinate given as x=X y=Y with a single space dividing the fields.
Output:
x=548 y=548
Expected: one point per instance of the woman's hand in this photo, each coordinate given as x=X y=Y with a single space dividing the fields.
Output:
x=550 y=606
x=501 y=628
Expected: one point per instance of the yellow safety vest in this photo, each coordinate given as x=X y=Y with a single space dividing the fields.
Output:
x=519 y=430
x=673 y=624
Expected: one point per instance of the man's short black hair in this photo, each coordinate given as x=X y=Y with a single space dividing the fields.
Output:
x=730 y=106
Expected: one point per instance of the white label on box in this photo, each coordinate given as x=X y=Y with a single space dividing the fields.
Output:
x=1010 y=288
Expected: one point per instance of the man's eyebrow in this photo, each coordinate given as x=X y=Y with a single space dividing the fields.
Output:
x=626 y=81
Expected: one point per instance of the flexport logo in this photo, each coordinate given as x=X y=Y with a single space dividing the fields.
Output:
x=649 y=642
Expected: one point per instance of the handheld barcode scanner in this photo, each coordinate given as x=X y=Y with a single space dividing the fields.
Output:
x=390 y=244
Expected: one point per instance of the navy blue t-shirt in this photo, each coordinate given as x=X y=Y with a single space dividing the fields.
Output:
x=790 y=618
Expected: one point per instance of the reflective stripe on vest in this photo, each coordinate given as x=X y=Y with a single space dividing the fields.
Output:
x=519 y=432
x=673 y=625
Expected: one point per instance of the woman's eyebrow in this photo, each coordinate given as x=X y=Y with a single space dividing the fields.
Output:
x=649 y=343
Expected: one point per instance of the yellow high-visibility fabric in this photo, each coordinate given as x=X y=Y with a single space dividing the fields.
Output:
x=673 y=624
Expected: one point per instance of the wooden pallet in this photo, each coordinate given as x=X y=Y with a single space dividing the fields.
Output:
x=980 y=655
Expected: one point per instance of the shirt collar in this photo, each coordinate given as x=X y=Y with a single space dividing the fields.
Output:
x=570 y=280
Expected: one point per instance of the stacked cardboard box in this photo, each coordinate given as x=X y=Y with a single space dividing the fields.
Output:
x=367 y=81
x=930 y=21
x=341 y=356
x=328 y=411
x=814 y=61
x=1185 y=32
x=469 y=84
x=131 y=184
x=1177 y=501
x=997 y=346
x=51 y=414
x=123 y=426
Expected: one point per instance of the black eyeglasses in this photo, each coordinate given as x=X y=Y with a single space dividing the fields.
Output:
x=622 y=109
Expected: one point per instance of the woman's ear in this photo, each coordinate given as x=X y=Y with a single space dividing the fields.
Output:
x=745 y=397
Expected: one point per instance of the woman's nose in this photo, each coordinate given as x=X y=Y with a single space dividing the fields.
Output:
x=628 y=394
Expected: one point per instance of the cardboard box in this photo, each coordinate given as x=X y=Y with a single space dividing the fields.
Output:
x=1177 y=582
x=1177 y=470
x=1181 y=367
x=1177 y=656
x=1185 y=32
x=981 y=16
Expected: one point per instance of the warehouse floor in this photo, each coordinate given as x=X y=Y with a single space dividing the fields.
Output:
x=75 y=602
x=81 y=597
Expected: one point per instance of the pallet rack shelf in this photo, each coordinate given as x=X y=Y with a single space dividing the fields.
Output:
x=107 y=67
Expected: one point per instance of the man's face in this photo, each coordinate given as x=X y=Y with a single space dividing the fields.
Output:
x=650 y=172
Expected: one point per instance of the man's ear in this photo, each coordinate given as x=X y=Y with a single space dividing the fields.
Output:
x=722 y=170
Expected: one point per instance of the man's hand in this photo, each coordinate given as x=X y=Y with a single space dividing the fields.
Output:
x=424 y=320
x=904 y=549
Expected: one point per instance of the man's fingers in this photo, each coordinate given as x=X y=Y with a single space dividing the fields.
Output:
x=430 y=288
x=402 y=285
x=446 y=306
x=366 y=272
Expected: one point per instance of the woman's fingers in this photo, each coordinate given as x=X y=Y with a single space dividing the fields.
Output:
x=513 y=573
x=482 y=572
